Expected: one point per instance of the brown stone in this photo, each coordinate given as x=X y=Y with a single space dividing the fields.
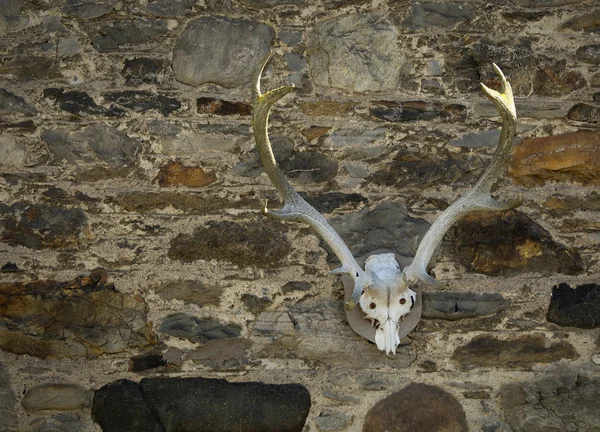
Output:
x=584 y=113
x=206 y=105
x=85 y=317
x=554 y=79
x=177 y=174
x=570 y=203
x=153 y=202
x=190 y=291
x=520 y=352
x=244 y=244
x=327 y=108
x=315 y=132
x=417 y=407
x=568 y=157
x=588 y=23
x=507 y=243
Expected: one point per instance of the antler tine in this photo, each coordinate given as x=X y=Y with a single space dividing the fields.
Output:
x=479 y=197
x=294 y=206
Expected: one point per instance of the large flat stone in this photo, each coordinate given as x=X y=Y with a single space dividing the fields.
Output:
x=203 y=52
x=454 y=306
x=357 y=52
x=8 y=414
x=56 y=397
x=215 y=405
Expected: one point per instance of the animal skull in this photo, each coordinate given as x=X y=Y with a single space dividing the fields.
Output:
x=382 y=288
x=387 y=301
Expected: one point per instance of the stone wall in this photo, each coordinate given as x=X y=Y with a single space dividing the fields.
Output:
x=136 y=267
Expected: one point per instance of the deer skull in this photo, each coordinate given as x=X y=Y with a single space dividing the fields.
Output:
x=387 y=301
x=382 y=288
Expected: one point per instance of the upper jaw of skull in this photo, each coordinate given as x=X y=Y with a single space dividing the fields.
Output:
x=387 y=301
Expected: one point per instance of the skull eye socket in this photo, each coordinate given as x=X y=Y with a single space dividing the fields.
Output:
x=402 y=300
x=372 y=305
x=412 y=301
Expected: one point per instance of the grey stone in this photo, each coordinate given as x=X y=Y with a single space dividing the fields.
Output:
x=67 y=422
x=290 y=37
x=57 y=397
x=575 y=307
x=126 y=33
x=437 y=16
x=488 y=138
x=68 y=47
x=200 y=404
x=454 y=306
x=31 y=68
x=164 y=128
x=190 y=291
x=96 y=143
x=310 y=167
x=316 y=331
x=358 y=143
x=88 y=9
x=386 y=226
x=11 y=103
x=589 y=54
x=225 y=354
x=201 y=330
x=13 y=153
x=212 y=61
x=8 y=414
x=296 y=62
x=122 y=406
x=557 y=402
x=357 y=52
x=584 y=112
x=393 y=111
x=11 y=18
x=443 y=413
x=185 y=145
x=331 y=420
x=171 y=8
x=545 y=3
x=52 y=24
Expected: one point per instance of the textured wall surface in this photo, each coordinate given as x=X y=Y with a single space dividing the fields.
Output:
x=134 y=262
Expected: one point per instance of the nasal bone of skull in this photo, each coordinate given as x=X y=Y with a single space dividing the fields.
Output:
x=386 y=336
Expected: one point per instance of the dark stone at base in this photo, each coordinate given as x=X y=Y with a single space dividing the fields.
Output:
x=454 y=306
x=575 y=307
x=433 y=410
x=214 y=405
x=121 y=406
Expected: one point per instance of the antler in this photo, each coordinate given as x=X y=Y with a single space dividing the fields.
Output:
x=477 y=199
x=294 y=206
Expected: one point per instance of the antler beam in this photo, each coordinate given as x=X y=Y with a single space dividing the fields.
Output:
x=479 y=198
x=294 y=206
